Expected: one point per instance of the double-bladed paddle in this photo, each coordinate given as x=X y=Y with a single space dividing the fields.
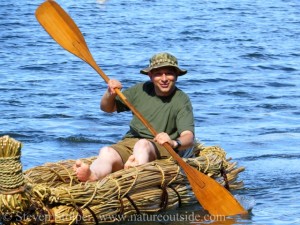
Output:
x=211 y=195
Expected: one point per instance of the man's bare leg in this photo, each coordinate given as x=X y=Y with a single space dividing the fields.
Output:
x=108 y=161
x=131 y=162
x=143 y=152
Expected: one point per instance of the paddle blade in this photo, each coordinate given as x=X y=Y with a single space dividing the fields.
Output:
x=63 y=29
x=212 y=196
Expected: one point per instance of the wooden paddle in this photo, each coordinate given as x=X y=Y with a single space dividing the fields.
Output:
x=211 y=195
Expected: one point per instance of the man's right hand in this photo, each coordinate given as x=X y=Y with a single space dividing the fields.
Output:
x=107 y=103
x=112 y=84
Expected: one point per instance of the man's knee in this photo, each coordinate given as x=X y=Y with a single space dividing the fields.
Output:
x=145 y=147
x=109 y=154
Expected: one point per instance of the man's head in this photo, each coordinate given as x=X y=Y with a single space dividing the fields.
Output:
x=163 y=59
x=163 y=72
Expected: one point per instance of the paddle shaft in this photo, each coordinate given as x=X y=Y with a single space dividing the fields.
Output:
x=211 y=195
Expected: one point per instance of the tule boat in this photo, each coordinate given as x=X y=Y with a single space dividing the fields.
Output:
x=51 y=193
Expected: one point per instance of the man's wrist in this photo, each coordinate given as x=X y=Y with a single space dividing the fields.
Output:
x=110 y=95
x=177 y=145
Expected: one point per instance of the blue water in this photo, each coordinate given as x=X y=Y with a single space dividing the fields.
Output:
x=243 y=80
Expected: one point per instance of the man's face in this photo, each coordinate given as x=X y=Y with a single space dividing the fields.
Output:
x=164 y=80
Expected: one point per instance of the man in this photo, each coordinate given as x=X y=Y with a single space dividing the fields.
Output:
x=163 y=105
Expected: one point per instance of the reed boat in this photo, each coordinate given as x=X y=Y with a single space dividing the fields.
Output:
x=51 y=193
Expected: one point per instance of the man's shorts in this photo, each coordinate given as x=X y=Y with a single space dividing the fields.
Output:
x=125 y=148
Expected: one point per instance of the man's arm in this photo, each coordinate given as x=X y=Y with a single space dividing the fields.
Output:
x=186 y=139
x=108 y=103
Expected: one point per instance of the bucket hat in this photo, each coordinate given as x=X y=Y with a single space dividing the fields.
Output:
x=163 y=59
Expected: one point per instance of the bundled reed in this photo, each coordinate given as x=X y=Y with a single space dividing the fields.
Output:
x=14 y=194
x=150 y=188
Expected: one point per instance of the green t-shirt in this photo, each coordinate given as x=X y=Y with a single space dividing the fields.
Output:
x=172 y=114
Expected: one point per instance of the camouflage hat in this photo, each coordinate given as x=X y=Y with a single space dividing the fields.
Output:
x=162 y=60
